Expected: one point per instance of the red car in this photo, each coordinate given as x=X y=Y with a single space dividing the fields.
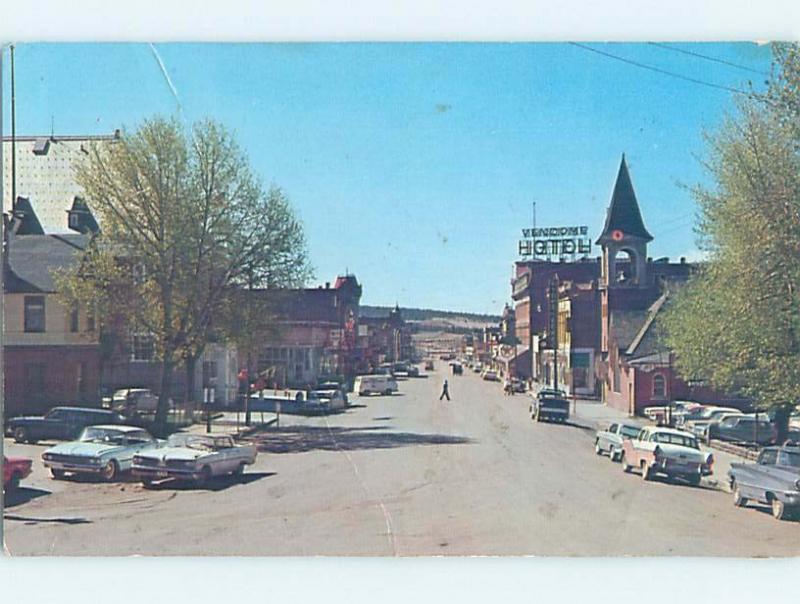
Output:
x=14 y=470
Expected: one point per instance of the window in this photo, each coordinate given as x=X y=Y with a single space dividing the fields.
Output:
x=616 y=377
x=769 y=457
x=34 y=314
x=142 y=347
x=90 y=322
x=659 y=386
x=74 y=318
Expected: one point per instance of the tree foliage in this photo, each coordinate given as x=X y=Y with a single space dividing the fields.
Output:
x=185 y=224
x=737 y=323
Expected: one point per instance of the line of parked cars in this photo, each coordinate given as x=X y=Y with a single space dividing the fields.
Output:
x=100 y=442
x=773 y=480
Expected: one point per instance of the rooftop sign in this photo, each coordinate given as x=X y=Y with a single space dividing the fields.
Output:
x=555 y=241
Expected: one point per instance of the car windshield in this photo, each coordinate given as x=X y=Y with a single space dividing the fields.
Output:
x=789 y=458
x=675 y=439
x=102 y=435
x=630 y=431
x=199 y=442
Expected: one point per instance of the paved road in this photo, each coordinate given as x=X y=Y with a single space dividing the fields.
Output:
x=403 y=475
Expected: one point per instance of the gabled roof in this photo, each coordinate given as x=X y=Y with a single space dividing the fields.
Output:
x=32 y=260
x=24 y=220
x=647 y=327
x=623 y=212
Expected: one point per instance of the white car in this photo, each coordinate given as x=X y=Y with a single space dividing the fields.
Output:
x=375 y=384
x=195 y=457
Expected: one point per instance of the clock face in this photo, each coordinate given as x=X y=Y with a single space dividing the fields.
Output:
x=617 y=235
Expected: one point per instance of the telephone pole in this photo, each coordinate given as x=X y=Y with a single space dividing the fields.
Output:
x=13 y=136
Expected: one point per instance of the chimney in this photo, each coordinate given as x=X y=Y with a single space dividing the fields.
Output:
x=327 y=285
x=683 y=259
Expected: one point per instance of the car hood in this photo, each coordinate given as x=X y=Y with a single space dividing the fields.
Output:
x=86 y=449
x=677 y=451
x=182 y=453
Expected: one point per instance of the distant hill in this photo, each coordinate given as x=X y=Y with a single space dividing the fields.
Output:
x=430 y=315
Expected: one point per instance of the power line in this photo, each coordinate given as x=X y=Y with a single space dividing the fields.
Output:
x=707 y=58
x=659 y=70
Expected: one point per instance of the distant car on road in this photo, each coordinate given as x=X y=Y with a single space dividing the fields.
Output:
x=374 y=384
x=428 y=365
x=60 y=423
x=15 y=469
x=195 y=457
x=490 y=376
x=517 y=385
x=676 y=409
x=610 y=440
x=103 y=451
x=674 y=453
x=551 y=405
x=774 y=480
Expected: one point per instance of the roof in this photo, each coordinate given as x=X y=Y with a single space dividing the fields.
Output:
x=24 y=219
x=657 y=358
x=653 y=311
x=33 y=259
x=302 y=304
x=118 y=428
x=623 y=212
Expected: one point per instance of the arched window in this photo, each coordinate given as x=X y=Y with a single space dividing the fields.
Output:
x=659 y=386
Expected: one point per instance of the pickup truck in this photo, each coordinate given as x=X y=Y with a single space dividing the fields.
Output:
x=550 y=405
x=774 y=479
x=666 y=451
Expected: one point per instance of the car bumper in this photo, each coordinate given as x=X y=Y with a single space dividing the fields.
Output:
x=791 y=498
x=73 y=467
x=673 y=468
x=163 y=473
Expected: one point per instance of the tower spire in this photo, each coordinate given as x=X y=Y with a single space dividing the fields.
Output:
x=624 y=218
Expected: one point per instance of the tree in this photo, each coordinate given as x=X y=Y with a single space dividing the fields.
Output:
x=737 y=322
x=184 y=225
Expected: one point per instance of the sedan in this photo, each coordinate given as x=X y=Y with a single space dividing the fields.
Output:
x=103 y=451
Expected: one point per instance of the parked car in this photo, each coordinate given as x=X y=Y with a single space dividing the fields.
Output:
x=610 y=440
x=667 y=451
x=794 y=420
x=14 y=470
x=60 y=423
x=412 y=370
x=323 y=386
x=428 y=365
x=196 y=457
x=458 y=368
x=743 y=429
x=325 y=401
x=103 y=451
x=661 y=413
x=374 y=384
x=551 y=405
x=130 y=402
x=517 y=385
x=773 y=480
x=490 y=376
x=709 y=414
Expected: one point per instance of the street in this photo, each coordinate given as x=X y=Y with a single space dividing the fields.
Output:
x=404 y=475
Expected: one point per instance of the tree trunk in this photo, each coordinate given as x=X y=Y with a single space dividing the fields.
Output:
x=160 y=426
x=191 y=367
x=781 y=419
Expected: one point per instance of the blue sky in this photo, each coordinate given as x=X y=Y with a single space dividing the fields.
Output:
x=414 y=166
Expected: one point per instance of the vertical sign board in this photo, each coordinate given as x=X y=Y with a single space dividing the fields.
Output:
x=553 y=326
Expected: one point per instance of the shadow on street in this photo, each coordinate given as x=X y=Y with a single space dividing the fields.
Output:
x=300 y=439
x=216 y=484
x=23 y=495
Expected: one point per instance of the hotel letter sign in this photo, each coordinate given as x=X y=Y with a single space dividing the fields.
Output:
x=555 y=241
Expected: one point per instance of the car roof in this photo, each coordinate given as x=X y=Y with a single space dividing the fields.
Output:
x=93 y=410
x=117 y=427
x=658 y=430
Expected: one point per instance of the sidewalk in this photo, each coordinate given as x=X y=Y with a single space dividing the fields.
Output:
x=597 y=416
x=232 y=423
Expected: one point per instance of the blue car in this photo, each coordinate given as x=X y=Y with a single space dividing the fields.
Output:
x=773 y=480
x=104 y=451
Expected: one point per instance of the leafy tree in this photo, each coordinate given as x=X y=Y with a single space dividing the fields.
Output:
x=185 y=224
x=737 y=323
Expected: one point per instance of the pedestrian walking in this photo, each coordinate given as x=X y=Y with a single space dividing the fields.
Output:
x=445 y=392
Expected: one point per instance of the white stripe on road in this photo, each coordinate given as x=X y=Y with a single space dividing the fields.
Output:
x=386 y=517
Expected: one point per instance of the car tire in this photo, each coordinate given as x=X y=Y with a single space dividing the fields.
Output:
x=647 y=473
x=612 y=453
x=21 y=435
x=779 y=511
x=110 y=471
x=364 y=393
x=694 y=479
x=239 y=471
x=387 y=392
x=626 y=467
x=147 y=483
x=597 y=448
x=57 y=474
x=738 y=500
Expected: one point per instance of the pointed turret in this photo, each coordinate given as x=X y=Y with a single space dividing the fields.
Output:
x=624 y=219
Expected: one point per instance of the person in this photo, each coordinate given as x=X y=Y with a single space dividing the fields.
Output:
x=445 y=392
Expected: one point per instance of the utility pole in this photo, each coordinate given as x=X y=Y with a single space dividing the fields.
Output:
x=13 y=137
